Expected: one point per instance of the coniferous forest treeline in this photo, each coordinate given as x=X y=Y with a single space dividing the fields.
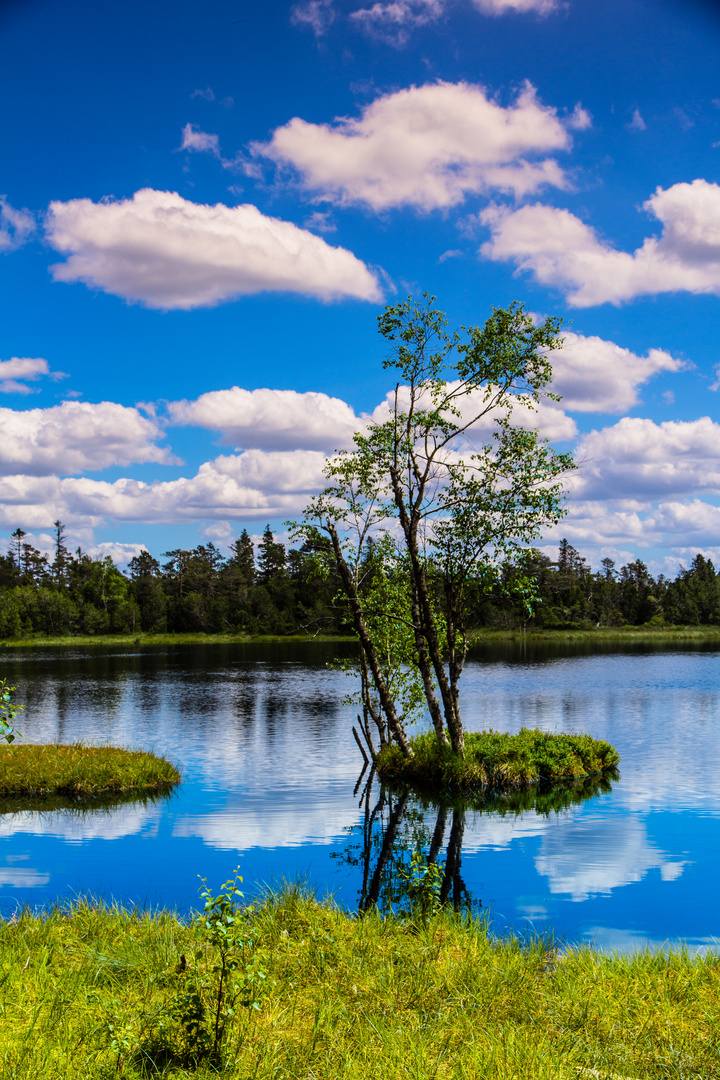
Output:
x=279 y=592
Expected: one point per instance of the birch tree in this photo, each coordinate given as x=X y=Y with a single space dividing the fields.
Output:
x=457 y=481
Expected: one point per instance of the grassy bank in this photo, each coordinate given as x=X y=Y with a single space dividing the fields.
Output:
x=630 y=634
x=81 y=772
x=96 y=993
x=495 y=761
x=609 y=634
x=103 y=640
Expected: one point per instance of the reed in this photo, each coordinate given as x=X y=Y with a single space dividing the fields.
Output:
x=81 y=772
x=95 y=992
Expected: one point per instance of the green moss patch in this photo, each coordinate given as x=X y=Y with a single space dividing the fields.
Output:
x=81 y=772
x=496 y=761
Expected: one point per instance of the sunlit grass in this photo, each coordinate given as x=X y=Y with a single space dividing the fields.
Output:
x=79 y=771
x=609 y=634
x=93 y=993
x=497 y=760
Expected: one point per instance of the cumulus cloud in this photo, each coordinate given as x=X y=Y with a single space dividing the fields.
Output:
x=16 y=226
x=623 y=528
x=16 y=372
x=250 y=485
x=200 y=141
x=77 y=437
x=637 y=458
x=267 y=419
x=271 y=419
x=562 y=251
x=594 y=375
x=163 y=251
x=427 y=147
x=121 y=554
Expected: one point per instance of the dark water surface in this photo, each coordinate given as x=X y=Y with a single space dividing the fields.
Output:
x=263 y=740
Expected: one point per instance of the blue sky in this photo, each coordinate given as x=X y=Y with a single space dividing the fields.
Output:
x=205 y=207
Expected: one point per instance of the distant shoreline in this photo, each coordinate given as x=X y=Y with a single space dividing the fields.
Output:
x=608 y=634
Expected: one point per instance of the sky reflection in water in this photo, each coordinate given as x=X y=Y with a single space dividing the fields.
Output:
x=263 y=739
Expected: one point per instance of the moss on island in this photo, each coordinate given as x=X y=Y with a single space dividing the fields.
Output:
x=82 y=772
x=496 y=761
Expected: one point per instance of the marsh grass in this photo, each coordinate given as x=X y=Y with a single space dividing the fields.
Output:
x=496 y=761
x=92 y=992
x=81 y=772
x=104 y=640
x=635 y=635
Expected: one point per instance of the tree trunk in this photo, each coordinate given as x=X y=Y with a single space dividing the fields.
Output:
x=388 y=705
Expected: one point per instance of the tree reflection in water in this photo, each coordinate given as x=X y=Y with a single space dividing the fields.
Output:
x=399 y=824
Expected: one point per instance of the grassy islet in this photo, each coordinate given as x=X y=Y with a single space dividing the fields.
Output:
x=77 y=771
x=495 y=760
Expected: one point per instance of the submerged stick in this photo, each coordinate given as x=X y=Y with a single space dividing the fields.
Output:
x=366 y=759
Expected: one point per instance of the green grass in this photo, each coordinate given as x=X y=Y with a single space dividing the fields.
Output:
x=85 y=640
x=94 y=993
x=81 y=772
x=609 y=634
x=495 y=761
x=616 y=634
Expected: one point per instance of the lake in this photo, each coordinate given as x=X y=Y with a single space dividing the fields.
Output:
x=262 y=737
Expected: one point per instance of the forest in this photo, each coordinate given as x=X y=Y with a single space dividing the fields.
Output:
x=276 y=591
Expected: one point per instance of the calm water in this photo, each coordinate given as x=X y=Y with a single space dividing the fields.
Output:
x=263 y=740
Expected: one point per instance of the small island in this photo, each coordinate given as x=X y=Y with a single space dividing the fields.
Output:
x=494 y=761
x=80 y=772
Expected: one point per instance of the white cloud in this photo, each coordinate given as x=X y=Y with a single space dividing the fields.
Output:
x=16 y=226
x=16 y=372
x=251 y=485
x=392 y=22
x=75 y=437
x=579 y=119
x=428 y=147
x=502 y=7
x=317 y=14
x=166 y=252
x=547 y=417
x=594 y=375
x=637 y=123
x=637 y=458
x=271 y=419
x=562 y=251
x=200 y=141
x=121 y=554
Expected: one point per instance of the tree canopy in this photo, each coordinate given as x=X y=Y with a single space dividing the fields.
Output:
x=449 y=486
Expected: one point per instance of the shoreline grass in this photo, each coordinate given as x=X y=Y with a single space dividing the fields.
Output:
x=79 y=772
x=104 y=640
x=497 y=761
x=477 y=638
x=92 y=992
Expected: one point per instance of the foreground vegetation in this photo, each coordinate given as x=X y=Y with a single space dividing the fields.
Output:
x=98 y=993
x=494 y=760
x=81 y=772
